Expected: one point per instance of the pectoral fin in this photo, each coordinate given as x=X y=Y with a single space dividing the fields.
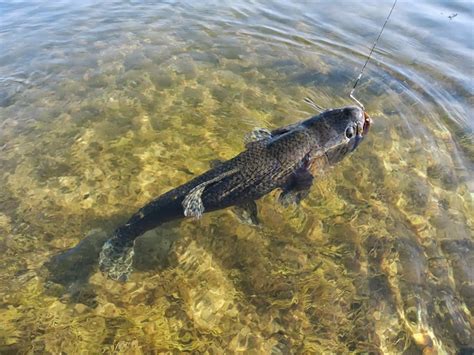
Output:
x=247 y=213
x=192 y=203
x=297 y=188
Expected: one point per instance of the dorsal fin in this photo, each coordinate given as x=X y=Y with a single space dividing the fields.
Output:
x=257 y=135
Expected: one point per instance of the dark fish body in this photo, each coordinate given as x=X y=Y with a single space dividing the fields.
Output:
x=252 y=174
x=287 y=158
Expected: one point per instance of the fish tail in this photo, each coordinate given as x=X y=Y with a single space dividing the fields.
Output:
x=116 y=256
x=116 y=260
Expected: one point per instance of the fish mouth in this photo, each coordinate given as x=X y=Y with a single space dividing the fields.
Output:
x=362 y=130
x=367 y=123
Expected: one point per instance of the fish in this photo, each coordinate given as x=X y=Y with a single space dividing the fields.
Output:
x=287 y=158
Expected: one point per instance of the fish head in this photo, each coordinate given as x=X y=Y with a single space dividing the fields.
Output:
x=339 y=132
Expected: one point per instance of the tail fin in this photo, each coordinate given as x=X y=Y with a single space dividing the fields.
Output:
x=115 y=259
x=116 y=256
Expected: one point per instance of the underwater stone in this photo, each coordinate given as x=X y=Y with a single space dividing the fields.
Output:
x=442 y=174
x=193 y=96
x=160 y=78
x=417 y=194
x=205 y=57
x=135 y=60
x=186 y=68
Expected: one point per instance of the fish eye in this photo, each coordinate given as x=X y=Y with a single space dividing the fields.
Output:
x=350 y=132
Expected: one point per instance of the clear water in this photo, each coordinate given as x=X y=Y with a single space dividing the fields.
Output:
x=105 y=105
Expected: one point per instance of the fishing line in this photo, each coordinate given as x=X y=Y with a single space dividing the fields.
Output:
x=351 y=95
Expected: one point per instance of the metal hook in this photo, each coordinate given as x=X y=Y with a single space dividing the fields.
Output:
x=351 y=95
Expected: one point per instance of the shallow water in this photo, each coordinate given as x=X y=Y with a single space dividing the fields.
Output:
x=104 y=107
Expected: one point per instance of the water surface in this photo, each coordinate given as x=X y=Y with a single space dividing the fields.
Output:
x=105 y=106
